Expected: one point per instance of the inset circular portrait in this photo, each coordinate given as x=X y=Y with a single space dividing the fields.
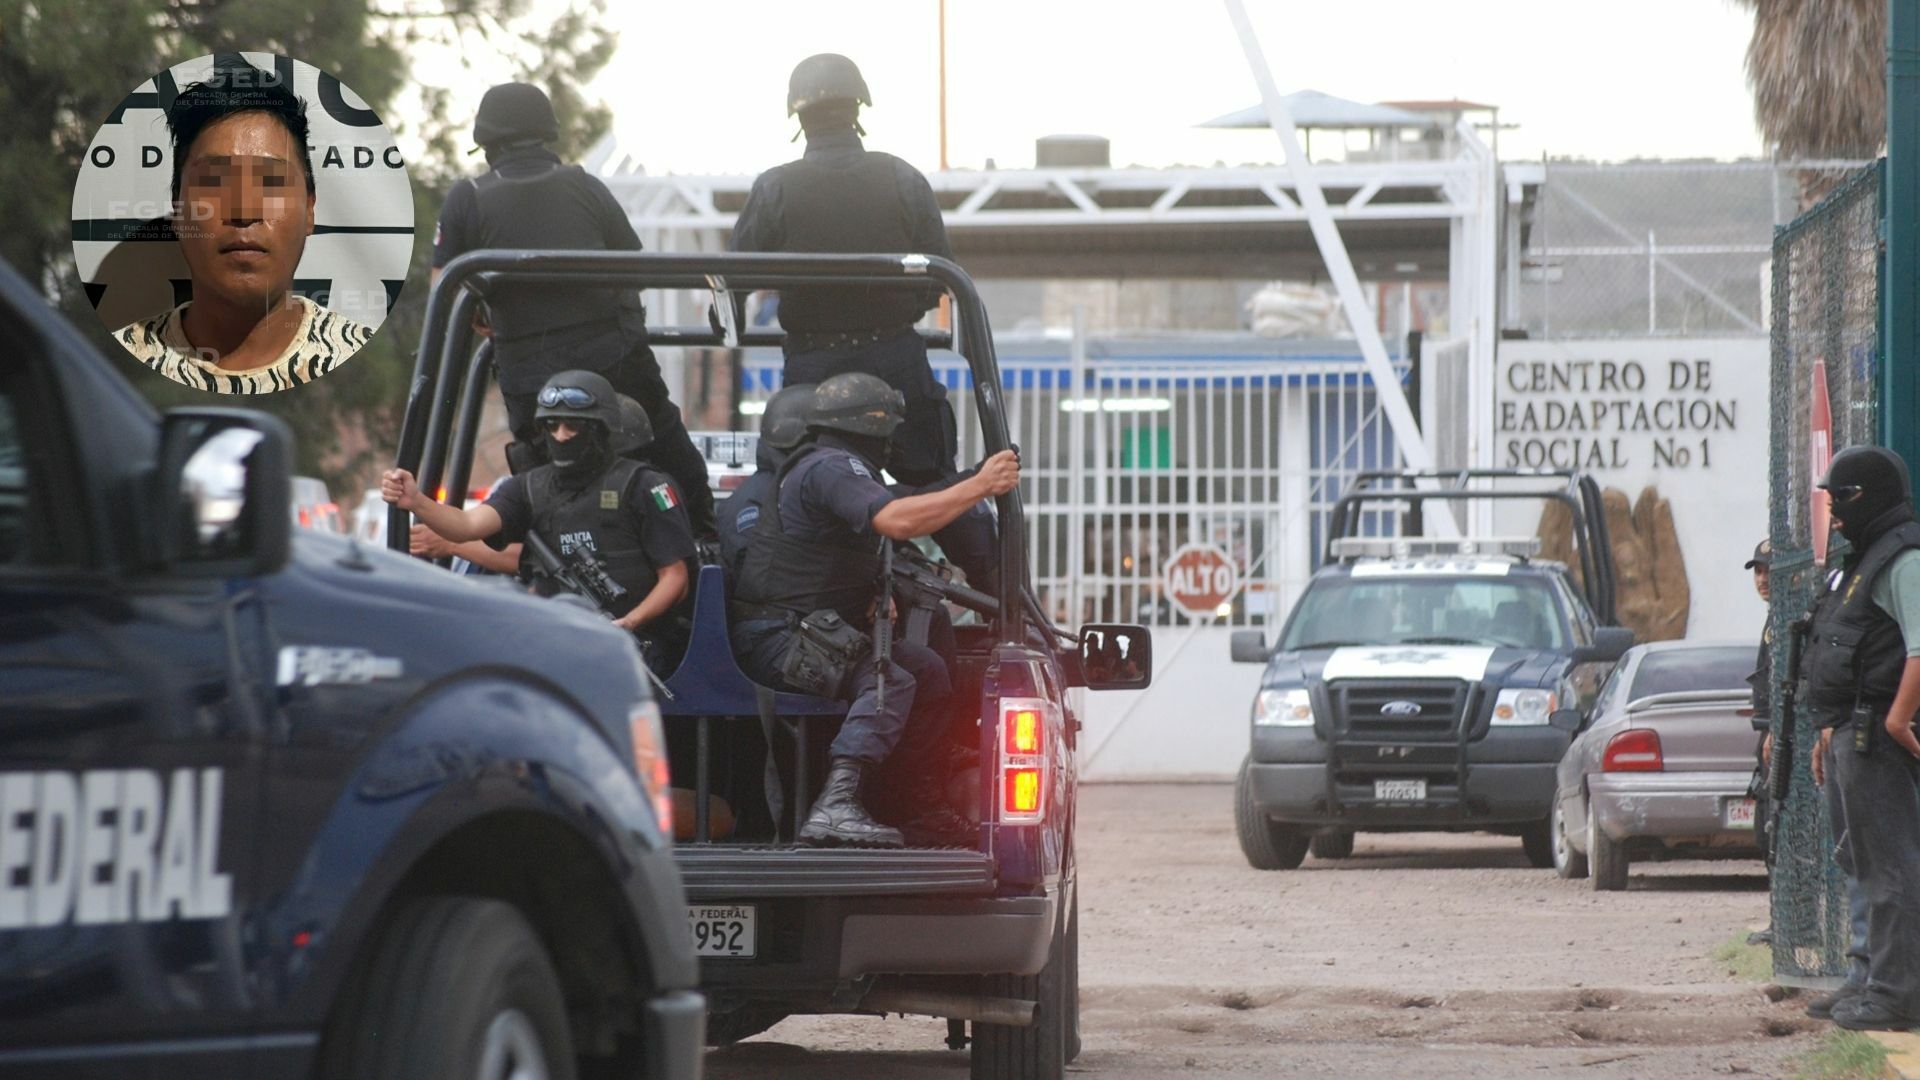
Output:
x=243 y=223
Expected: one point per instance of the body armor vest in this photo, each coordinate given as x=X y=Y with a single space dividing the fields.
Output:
x=1854 y=651
x=553 y=208
x=799 y=577
x=601 y=518
x=854 y=210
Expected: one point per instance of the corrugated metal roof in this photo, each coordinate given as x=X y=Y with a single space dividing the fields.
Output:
x=1313 y=109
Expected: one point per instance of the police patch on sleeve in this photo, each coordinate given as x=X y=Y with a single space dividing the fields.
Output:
x=665 y=497
x=859 y=467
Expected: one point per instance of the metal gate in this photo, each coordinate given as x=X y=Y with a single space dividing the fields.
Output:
x=1131 y=449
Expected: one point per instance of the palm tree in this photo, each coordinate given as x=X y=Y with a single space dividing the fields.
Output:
x=1818 y=73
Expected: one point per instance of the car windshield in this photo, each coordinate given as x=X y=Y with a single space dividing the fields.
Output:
x=1432 y=610
x=1715 y=667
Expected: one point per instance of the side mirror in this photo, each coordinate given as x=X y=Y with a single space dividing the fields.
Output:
x=1567 y=720
x=1248 y=647
x=1116 y=656
x=1610 y=643
x=226 y=492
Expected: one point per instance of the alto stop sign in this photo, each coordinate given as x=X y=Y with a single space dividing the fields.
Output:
x=1201 y=577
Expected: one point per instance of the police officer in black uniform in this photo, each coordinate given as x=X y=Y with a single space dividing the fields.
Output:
x=840 y=197
x=816 y=549
x=782 y=428
x=1862 y=671
x=529 y=199
x=587 y=503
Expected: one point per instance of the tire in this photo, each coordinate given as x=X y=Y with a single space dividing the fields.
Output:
x=727 y=1028
x=1039 y=1052
x=1267 y=844
x=1568 y=863
x=1070 y=986
x=1537 y=841
x=458 y=988
x=1606 y=860
x=1331 y=844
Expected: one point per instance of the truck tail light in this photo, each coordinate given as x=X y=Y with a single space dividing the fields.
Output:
x=1024 y=724
x=650 y=762
x=1637 y=750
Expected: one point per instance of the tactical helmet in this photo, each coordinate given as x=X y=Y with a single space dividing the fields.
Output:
x=858 y=404
x=635 y=431
x=784 y=423
x=1866 y=481
x=580 y=395
x=515 y=112
x=825 y=77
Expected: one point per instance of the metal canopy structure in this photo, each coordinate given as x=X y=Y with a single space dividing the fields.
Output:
x=1400 y=220
x=1313 y=109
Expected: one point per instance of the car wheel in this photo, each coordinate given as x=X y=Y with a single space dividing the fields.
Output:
x=1038 y=1052
x=1267 y=844
x=1606 y=860
x=1331 y=844
x=1537 y=841
x=1568 y=863
x=459 y=989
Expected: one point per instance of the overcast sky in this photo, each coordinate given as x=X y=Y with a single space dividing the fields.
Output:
x=700 y=87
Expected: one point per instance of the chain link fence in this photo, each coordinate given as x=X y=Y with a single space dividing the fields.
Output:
x=1825 y=300
x=1653 y=249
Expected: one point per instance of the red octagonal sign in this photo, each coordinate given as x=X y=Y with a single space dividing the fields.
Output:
x=1200 y=578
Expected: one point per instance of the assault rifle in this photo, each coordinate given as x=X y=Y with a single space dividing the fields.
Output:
x=1780 y=766
x=584 y=575
x=883 y=628
x=920 y=586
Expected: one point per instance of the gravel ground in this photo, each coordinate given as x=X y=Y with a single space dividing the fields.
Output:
x=1430 y=955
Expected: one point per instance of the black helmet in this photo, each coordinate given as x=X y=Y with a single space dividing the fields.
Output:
x=825 y=77
x=580 y=395
x=1865 y=482
x=858 y=404
x=784 y=423
x=515 y=112
x=635 y=430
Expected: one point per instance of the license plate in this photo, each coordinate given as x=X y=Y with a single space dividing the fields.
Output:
x=1400 y=790
x=722 y=929
x=1738 y=813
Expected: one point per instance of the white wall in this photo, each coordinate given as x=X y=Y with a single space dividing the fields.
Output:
x=1703 y=446
x=1192 y=722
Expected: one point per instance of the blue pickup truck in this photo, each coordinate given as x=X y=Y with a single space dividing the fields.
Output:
x=275 y=804
x=983 y=935
x=1424 y=685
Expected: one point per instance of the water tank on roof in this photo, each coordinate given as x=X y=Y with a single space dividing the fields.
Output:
x=1072 y=152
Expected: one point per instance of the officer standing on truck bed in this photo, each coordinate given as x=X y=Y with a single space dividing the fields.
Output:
x=841 y=197
x=812 y=570
x=590 y=506
x=529 y=199
x=1862 y=671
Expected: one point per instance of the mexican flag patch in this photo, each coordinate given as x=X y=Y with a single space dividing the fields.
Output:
x=664 y=497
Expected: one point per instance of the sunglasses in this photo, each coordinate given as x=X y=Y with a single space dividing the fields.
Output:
x=552 y=424
x=571 y=397
x=1845 y=492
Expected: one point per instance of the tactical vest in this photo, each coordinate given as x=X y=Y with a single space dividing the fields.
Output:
x=738 y=518
x=1854 y=651
x=554 y=208
x=851 y=211
x=781 y=574
x=602 y=516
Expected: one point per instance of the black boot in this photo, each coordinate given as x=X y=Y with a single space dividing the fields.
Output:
x=838 y=818
x=935 y=825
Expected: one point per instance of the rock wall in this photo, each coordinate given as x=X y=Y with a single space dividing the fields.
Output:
x=1650 y=575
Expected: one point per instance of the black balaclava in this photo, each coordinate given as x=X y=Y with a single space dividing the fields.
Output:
x=583 y=457
x=877 y=449
x=830 y=116
x=1885 y=499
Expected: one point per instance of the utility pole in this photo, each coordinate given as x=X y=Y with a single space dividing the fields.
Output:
x=943 y=85
x=1900 y=209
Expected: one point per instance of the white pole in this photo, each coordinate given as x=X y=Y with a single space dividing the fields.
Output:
x=1326 y=235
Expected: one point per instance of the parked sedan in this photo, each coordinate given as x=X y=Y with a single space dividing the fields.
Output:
x=1660 y=766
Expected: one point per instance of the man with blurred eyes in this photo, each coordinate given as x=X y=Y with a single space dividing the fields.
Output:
x=243 y=207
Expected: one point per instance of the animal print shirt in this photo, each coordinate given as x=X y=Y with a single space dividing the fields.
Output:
x=324 y=341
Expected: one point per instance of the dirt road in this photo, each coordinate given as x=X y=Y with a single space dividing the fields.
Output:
x=1425 y=956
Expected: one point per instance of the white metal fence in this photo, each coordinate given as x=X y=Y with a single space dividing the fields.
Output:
x=1132 y=449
